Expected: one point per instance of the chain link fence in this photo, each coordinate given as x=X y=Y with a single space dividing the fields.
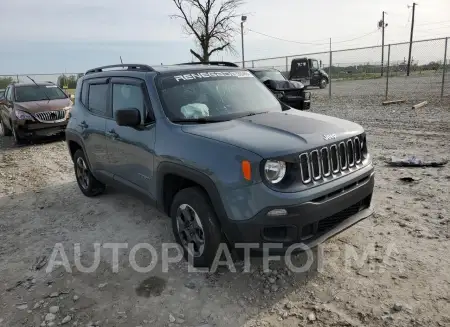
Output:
x=446 y=74
x=356 y=74
x=370 y=76
x=423 y=81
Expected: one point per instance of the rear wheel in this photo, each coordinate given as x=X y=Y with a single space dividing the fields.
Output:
x=87 y=183
x=195 y=226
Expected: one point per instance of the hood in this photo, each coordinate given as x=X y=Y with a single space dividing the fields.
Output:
x=323 y=72
x=277 y=133
x=283 y=85
x=43 y=105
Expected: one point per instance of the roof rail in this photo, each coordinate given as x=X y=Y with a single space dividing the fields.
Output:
x=139 y=67
x=212 y=63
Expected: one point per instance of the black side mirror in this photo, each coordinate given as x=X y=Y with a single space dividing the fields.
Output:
x=128 y=117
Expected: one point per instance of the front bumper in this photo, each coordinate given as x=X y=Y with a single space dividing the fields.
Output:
x=311 y=222
x=33 y=129
x=302 y=102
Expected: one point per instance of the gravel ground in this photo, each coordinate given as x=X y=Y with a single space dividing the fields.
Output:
x=390 y=270
x=413 y=89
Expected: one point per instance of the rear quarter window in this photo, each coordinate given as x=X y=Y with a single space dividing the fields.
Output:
x=84 y=94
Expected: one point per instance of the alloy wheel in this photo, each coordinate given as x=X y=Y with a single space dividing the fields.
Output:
x=82 y=173
x=190 y=230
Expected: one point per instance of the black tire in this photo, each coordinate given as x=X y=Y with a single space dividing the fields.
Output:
x=197 y=200
x=323 y=83
x=87 y=183
x=17 y=139
x=5 y=130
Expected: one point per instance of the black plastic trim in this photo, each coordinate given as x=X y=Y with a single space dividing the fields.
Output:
x=133 y=67
x=198 y=177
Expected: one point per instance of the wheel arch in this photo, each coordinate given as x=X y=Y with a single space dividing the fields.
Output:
x=196 y=178
x=75 y=142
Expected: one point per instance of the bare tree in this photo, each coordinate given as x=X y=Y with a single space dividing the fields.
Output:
x=210 y=22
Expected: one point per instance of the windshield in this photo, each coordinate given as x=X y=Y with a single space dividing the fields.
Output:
x=38 y=93
x=214 y=95
x=269 y=74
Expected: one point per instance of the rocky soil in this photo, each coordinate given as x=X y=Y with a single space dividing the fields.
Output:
x=390 y=270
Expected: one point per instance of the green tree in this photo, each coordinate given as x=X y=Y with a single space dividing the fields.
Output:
x=5 y=81
x=69 y=81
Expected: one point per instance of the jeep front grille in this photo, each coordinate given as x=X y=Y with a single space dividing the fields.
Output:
x=50 y=116
x=332 y=159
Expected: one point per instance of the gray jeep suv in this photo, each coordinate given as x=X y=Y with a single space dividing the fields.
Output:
x=216 y=151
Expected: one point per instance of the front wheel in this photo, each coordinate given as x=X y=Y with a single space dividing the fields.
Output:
x=4 y=131
x=87 y=183
x=17 y=139
x=323 y=83
x=195 y=226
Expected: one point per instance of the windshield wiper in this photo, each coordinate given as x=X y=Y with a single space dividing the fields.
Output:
x=203 y=120
x=45 y=93
x=253 y=114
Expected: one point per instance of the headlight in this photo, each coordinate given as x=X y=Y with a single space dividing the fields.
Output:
x=22 y=115
x=279 y=95
x=67 y=114
x=274 y=171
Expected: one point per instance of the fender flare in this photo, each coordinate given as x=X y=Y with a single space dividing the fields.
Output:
x=200 y=178
x=72 y=137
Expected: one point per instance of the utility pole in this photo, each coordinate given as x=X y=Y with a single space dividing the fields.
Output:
x=243 y=19
x=411 y=39
x=329 y=72
x=383 y=25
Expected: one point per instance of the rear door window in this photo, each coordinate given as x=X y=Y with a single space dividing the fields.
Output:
x=98 y=99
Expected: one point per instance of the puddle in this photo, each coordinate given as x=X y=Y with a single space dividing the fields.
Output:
x=152 y=286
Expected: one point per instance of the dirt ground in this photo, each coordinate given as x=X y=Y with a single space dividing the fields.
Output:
x=392 y=269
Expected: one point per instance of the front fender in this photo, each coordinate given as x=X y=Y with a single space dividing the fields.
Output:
x=212 y=164
x=200 y=178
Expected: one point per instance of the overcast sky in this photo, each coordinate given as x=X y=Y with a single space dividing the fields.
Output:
x=73 y=35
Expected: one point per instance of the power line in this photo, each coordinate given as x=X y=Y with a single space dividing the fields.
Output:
x=434 y=23
x=357 y=38
x=312 y=43
x=435 y=28
x=444 y=23
x=281 y=39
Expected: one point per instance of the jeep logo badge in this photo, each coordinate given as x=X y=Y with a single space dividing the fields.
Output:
x=329 y=136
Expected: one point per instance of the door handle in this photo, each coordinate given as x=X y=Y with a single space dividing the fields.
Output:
x=83 y=125
x=112 y=133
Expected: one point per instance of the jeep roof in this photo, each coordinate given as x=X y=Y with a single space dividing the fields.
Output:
x=139 y=68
